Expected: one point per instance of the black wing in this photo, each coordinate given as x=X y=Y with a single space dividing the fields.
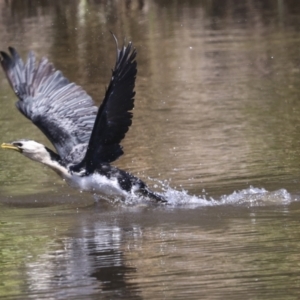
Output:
x=63 y=111
x=114 y=116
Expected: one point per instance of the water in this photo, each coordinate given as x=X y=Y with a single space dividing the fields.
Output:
x=216 y=129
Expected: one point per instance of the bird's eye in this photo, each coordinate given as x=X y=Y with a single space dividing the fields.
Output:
x=18 y=144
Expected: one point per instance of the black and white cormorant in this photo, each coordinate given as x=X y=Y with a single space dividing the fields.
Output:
x=87 y=139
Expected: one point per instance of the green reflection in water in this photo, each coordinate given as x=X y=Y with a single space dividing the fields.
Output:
x=21 y=242
x=26 y=234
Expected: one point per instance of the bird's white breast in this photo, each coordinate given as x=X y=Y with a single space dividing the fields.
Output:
x=97 y=183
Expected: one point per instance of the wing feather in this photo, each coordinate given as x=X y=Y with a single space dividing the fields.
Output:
x=114 y=115
x=63 y=111
x=66 y=114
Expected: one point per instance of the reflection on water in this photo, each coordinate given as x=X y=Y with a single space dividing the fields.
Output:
x=229 y=252
x=90 y=264
x=216 y=116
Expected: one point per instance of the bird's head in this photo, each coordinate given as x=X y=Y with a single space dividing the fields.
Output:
x=39 y=153
x=28 y=148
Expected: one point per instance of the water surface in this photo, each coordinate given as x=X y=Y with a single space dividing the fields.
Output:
x=215 y=128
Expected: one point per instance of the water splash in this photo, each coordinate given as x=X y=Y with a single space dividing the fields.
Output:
x=247 y=197
x=257 y=197
x=251 y=197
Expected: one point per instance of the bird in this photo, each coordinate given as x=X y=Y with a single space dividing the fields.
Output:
x=86 y=138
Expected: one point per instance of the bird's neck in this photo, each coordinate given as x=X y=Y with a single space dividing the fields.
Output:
x=55 y=162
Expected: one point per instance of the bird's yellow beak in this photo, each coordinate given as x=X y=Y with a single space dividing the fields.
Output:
x=10 y=146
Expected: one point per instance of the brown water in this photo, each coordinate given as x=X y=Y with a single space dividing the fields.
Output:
x=216 y=128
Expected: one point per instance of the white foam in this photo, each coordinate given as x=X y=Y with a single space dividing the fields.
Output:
x=250 y=197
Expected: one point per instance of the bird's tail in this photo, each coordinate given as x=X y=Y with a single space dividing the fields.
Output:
x=153 y=195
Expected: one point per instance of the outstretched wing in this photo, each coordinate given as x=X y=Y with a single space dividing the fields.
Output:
x=114 y=116
x=63 y=111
